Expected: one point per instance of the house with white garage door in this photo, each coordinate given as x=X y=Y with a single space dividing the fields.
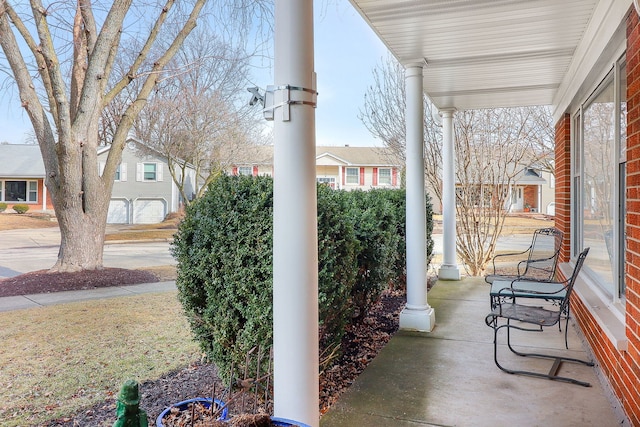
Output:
x=143 y=191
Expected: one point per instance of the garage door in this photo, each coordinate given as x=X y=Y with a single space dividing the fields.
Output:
x=118 y=212
x=148 y=211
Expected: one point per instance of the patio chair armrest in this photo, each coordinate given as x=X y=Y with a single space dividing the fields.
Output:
x=506 y=255
x=561 y=286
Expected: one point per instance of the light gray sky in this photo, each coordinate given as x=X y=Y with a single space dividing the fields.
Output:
x=346 y=51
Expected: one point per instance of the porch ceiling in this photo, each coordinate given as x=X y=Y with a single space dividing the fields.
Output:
x=483 y=53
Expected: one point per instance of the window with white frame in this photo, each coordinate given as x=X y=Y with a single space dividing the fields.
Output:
x=121 y=172
x=329 y=181
x=245 y=170
x=19 y=191
x=384 y=176
x=147 y=172
x=352 y=176
x=598 y=181
x=150 y=170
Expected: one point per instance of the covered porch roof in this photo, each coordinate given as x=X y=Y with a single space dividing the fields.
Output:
x=497 y=53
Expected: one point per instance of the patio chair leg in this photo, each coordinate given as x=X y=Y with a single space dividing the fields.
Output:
x=557 y=360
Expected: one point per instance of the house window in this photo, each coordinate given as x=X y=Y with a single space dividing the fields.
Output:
x=245 y=170
x=19 y=191
x=384 y=176
x=146 y=172
x=599 y=182
x=353 y=176
x=150 y=172
x=331 y=182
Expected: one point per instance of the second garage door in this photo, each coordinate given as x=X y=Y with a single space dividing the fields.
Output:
x=149 y=211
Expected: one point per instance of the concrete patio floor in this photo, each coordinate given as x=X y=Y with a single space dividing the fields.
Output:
x=448 y=377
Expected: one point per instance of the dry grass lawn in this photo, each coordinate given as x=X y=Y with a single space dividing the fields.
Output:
x=58 y=359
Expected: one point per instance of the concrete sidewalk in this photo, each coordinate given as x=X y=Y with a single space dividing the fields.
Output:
x=40 y=300
x=448 y=377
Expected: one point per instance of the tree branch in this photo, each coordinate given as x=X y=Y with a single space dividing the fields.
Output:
x=142 y=56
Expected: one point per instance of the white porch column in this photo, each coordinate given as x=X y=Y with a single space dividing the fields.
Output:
x=417 y=315
x=295 y=248
x=449 y=269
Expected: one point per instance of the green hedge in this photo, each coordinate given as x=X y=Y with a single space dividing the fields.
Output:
x=3 y=206
x=224 y=252
x=337 y=252
x=374 y=218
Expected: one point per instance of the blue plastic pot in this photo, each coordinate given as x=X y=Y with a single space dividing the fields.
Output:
x=283 y=422
x=184 y=405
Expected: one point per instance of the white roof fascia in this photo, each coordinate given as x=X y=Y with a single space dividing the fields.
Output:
x=604 y=23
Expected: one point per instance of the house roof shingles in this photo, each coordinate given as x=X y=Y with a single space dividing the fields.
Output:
x=356 y=156
x=21 y=161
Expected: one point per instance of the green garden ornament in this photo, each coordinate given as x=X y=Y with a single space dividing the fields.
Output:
x=127 y=408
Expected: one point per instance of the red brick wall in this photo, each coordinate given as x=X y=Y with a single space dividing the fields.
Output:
x=563 y=183
x=622 y=368
x=630 y=362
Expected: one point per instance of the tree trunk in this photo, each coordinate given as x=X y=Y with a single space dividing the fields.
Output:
x=81 y=241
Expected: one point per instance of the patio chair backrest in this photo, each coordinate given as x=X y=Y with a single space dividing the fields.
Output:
x=571 y=280
x=543 y=254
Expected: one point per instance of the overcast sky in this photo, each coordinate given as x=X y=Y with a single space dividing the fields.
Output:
x=346 y=51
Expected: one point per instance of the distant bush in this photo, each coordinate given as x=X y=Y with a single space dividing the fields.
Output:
x=3 y=207
x=20 y=208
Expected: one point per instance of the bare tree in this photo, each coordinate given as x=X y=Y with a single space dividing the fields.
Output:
x=383 y=115
x=493 y=148
x=201 y=116
x=63 y=67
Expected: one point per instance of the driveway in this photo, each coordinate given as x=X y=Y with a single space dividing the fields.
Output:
x=22 y=251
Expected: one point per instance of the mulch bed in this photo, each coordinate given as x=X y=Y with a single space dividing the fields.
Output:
x=41 y=281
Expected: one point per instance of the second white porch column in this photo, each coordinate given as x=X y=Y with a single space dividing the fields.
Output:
x=417 y=315
x=295 y=237
x=449 y=269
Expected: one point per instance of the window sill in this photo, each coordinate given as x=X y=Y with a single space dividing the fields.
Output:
x=609 y=316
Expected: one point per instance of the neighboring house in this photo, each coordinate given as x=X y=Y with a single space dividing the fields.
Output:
x=22 y=177
x=531 y=190
x=346 y=168
x=143 y=191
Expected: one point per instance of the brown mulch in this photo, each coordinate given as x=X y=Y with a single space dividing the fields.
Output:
x=361 y=344
x=41 y=281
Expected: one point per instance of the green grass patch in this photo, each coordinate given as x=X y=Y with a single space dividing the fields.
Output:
x=58 y=359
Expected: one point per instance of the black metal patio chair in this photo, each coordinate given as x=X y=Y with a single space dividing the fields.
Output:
x=515 y=315
x=541 y=258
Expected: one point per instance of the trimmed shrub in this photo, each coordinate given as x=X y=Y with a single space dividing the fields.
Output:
x=398 y=200
x=224 y=251
x=3 y=206
x=21 y=208
x=374 y=220
x=337 y=268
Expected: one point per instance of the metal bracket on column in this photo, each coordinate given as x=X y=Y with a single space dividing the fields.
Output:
x=285 y=101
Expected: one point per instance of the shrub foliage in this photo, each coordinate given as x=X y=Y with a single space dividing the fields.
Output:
x=224 y=250
x=3 y=206
x=21 y=208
